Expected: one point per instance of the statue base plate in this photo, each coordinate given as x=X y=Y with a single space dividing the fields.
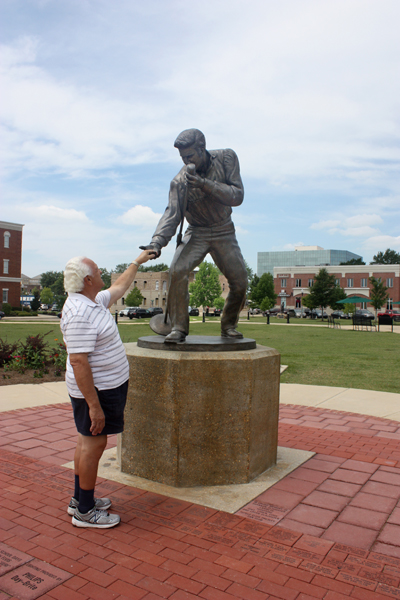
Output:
x=198 y=343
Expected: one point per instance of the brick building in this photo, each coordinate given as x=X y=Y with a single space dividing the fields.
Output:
x=292 y=283
x=154 y=288
x=10 y=262
x=28 y=284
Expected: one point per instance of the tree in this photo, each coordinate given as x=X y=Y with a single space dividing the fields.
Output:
x=323 y=293
x=206 y=287
x=379 y=293
x=337 y=294
x=389 y=257
x=53 y=280
x=262 y=290
x=106 y=277
x=35 y=303
x=219 y=302
x=250 y=275
x=60 y=301
x=46 y=296
x=353 y=261
x=134 y=298
x=154 y=268
x=267 y=304
x=121 y=268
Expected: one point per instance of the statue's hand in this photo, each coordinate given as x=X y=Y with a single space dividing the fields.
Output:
x=153 y=246
x=194 y=180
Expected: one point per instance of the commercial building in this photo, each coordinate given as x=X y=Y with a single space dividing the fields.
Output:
x=301 y=256
x=10 y=262
x=154 y=288
x=292 y=283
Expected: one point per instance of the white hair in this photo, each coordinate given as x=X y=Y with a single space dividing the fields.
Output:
x=75 y=272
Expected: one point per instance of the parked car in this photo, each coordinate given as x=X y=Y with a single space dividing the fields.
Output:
x=316 y=313
x=272 y=311
x=193 y=312
x=395 y=314
x=216 y=313
x=367 y=314
x=155 y=310
x=339 y=314
x=299 y=314
x=139 y=313
x=124 y=312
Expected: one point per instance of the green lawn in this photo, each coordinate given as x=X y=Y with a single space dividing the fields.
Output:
x=314 y=355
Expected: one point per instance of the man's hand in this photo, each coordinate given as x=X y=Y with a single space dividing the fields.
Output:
x=156 y=248
x=97 y=419
x=194 y=181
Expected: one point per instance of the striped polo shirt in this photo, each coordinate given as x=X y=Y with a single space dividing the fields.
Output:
x=89 y=328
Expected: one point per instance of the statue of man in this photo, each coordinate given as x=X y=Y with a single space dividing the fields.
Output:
x=204 y=194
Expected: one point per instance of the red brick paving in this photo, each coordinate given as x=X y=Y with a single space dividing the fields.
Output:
x=329 y=530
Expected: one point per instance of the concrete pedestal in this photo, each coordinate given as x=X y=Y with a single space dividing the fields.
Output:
x=203 y=418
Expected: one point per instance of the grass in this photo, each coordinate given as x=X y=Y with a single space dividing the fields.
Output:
x=315 y=355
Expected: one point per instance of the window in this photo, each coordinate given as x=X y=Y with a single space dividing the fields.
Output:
x=122 y=301
x=350 y=283
x=310 y=282
x=298 y=282
x=5 y=266
x=364 y=282
x=337 y=281
x=156 y=284
x=389 y=282
x=134 y=284
x=7 y=236
x=164 y=286
x=144 y=301
x=5 y=295
x=144 y=284
x=283 y=283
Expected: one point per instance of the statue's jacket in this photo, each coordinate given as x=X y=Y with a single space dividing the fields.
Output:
x=206 y=207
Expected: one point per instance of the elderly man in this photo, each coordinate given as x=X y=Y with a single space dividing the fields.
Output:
x=204 y=193
x=97 y=378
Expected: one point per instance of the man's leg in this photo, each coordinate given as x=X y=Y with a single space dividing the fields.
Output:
x=188 y=256
x=89 y=450
x=228 y=258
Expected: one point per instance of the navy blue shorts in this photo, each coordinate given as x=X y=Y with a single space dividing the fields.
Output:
x=113 y=404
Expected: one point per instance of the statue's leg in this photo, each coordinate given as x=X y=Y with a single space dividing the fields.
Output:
x=228 y=258
x=187 y=257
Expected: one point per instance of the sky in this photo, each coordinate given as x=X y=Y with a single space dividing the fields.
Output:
x=95 y=92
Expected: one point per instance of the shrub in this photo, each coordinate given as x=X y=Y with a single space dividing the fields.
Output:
x=7 y=308
x=34 y=351
x=59 y=358
x=6 y=352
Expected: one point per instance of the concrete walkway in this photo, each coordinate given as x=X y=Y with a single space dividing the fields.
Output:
x=365 y=402
x=328 y=528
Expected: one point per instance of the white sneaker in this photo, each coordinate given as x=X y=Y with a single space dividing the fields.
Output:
x=99 y=519
x=99 y=503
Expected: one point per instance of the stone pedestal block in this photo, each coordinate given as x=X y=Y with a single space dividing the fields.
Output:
x=204 y=418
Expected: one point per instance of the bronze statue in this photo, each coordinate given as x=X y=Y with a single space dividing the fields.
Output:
x=203 y=192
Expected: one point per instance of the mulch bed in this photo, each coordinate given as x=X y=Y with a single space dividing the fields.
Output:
x=14 y=378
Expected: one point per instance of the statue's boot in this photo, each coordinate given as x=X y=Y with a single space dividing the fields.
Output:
x=231 y=333
x=175 y=337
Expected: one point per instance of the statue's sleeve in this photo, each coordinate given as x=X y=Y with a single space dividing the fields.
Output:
x=171 y=218
x=230 y=192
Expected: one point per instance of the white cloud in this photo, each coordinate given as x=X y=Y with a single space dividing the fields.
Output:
x=353 y=226
x=362 y=231
x=324 y=225
x=46 y=212
x=140 y=216
x=381 y=243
